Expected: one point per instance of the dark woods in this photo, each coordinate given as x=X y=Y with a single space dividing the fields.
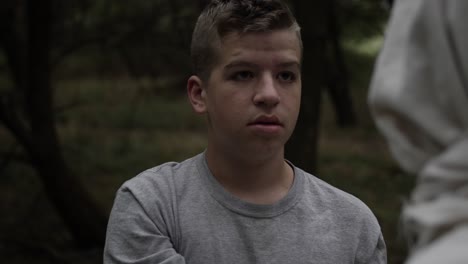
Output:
x=140 y=40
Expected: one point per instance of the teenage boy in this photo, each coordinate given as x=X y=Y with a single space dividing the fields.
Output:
x=240 y=201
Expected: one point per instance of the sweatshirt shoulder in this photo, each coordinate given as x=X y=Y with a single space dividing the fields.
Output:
x=350 y=214
x=161 y=180
x=339 y=201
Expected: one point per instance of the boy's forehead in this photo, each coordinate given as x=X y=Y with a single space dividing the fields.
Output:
x=263 y=36
x=238 y=45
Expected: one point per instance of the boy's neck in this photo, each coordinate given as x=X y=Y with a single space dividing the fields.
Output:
x=258 y=182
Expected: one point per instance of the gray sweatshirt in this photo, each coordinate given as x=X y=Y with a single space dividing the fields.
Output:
x=179 y=213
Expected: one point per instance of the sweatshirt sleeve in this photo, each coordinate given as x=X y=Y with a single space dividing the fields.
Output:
x=379 y=254
x=135 y=237
x=418 y=94
x=419 y=100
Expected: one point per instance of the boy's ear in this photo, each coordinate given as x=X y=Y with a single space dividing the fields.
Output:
x=197 y=94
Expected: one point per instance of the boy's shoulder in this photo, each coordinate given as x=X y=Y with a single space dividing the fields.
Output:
x=345 y=212
x=325 y=196
x=161 y=180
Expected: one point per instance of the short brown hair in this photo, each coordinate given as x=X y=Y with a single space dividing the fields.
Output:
x=221 y=17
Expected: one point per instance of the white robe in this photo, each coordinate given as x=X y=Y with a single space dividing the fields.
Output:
x=419 y=100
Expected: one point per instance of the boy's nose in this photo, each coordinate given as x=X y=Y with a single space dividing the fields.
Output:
x=266 y=93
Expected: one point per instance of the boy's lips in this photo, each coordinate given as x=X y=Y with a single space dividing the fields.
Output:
x=266 y=125
x=266 y=120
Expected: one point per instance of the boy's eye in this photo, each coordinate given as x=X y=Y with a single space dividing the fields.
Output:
x=242 y=76
x=286 y=76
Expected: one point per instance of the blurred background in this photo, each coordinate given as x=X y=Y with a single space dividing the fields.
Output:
x=93 y=92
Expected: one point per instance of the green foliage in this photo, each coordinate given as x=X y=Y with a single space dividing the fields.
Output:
x=115 y=130
x=150 y=38
x=118 y=104
x=360 y=19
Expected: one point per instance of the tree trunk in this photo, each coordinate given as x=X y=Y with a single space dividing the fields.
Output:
x=70 y=198
x=30 y=67
x=302 y=147
x=337 y=82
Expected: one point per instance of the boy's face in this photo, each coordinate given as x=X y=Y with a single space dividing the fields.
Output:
x=252 y=97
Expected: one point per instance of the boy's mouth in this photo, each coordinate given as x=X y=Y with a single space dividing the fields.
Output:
x=265 y=120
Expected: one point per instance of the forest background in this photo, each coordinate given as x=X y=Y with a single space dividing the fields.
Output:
x=93 y=92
